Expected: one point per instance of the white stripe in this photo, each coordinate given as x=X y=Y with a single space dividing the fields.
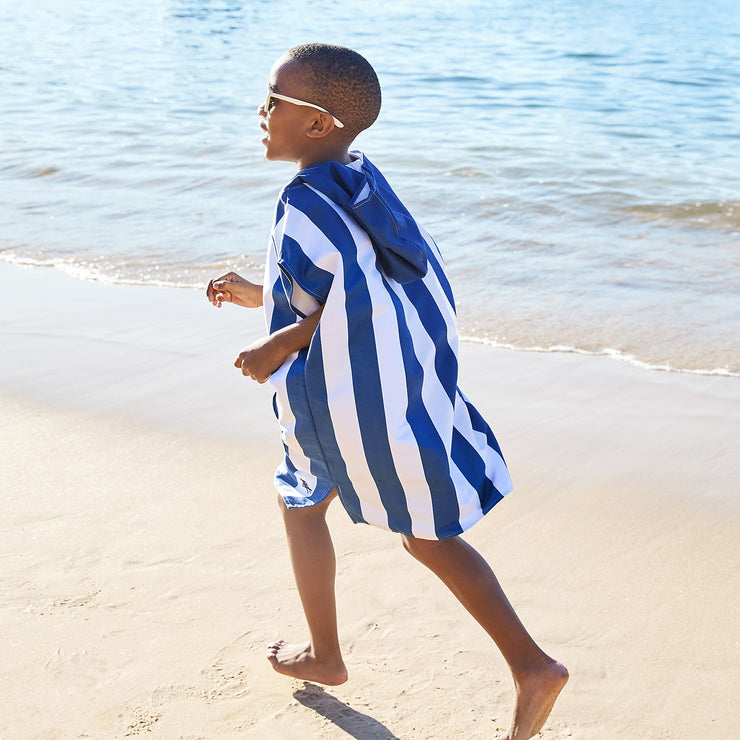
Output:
x=302 y=301
x=440 y=297
x=467 y=499
x=312 y=240
x=434 y=395
x=338 y=376
x=268 y=304
x=363 y=193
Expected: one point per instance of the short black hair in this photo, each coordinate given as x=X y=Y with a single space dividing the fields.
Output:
x=342 y=81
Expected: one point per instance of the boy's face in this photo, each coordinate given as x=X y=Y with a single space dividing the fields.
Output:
x=286 y=125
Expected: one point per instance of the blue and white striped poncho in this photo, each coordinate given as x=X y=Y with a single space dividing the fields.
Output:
x=372 y=406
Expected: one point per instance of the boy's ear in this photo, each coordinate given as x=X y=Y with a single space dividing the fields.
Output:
x=321 y=125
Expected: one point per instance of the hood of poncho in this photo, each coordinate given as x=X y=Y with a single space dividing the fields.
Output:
x=366 y=195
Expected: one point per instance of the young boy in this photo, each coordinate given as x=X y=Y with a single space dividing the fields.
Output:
x=362 y=353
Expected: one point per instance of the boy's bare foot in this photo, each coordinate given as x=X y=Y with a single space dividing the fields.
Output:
x=299 y=661
x=535 y=696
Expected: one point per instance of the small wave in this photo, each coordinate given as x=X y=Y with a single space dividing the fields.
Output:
x=723 y=214
x=614 y=354
x=191 y=278
x=587 y=55
x=43 y=171
x=31 y=172
x=90 y=272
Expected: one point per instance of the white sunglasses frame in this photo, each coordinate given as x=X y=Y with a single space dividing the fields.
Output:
x=295 y=101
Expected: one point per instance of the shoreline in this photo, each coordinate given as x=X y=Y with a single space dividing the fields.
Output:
x=144 y=567
x=607 y=352
x=252 y=272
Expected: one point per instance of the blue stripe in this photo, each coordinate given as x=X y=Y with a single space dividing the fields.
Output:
x=303 y=494
x=327 y=440
x=434 y=459
x=473 y=467
x=368 y=394
x=370 y=409
x=282 y=315
x=445 y=360
x=305 y=426
x=439 y=271
x=279 y=209
x=480 y=425
x=298 y=268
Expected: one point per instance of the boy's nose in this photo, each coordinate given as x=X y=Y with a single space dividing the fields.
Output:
x=261 y=110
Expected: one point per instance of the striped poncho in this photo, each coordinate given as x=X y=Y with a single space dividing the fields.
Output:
x=372 y=406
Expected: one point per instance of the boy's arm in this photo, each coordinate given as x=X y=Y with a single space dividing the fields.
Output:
x=232 y=288
x=263 y=357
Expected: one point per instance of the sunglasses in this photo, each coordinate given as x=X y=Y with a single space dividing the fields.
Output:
x=295 y=101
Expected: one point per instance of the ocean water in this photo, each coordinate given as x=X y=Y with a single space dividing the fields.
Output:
x=577 y=162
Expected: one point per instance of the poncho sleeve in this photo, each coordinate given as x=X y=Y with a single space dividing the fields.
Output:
x=305 y=254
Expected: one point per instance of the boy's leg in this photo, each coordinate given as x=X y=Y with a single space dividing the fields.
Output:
x=537 y=677
x=314 y=566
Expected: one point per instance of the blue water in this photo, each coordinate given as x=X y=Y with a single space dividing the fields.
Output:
x=577 y=162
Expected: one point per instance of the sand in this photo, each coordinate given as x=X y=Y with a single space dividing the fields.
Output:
x=143 y=569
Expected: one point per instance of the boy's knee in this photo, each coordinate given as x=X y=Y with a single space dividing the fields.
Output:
x=426 y=550
x=414 y=546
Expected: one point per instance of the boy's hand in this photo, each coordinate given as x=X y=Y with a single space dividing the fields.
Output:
x=261 y=359
x=232 y=288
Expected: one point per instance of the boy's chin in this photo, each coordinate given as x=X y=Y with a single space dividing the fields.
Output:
x=273 y=157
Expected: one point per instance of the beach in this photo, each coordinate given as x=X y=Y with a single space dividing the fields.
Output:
x=143 y=565
x=589 y=227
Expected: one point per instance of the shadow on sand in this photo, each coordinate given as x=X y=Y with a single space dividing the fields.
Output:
x=355 y=724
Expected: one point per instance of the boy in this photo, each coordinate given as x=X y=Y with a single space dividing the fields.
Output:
x=362 y=352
